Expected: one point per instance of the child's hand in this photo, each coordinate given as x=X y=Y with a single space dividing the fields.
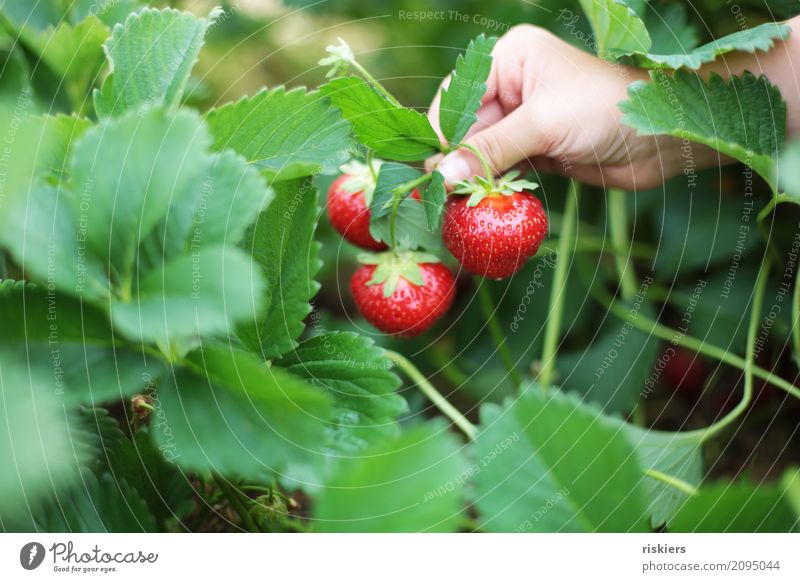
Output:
x=553 y=106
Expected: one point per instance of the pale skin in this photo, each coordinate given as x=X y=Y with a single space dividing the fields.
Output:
x=553 y=107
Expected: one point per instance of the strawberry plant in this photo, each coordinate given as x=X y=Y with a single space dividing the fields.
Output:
x=168 y=361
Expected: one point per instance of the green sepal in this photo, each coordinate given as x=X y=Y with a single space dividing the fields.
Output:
x=361 y=178
x=391 y=266
x=480 y=187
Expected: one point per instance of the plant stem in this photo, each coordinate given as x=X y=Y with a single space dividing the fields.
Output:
x=555 y=310
x=678 y=484
x=487 y=169
x=370 y=156
x=672 y=335
x=489 y=310
x=233 y=498
x=433 y=394
x=618 y=224
x=397 y=197
x=374 y=82
x=747 y=396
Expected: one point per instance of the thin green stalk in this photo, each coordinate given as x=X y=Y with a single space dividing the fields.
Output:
x=433 y=394
x=669 y=334
x=618 y=225
x=487 y=168
x=370 y=157
x=489 y=311
x=566 y=244
x=233 y=498
x=747 y=396
x=678 y=484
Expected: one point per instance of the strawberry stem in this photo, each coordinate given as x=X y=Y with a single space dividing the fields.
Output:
x=398 y=195
x=489 y=310
x=372 y=172
x=487 y=168
x=566 y=247
x=436 y=397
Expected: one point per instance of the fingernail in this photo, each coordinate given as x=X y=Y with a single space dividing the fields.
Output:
x=454 y=168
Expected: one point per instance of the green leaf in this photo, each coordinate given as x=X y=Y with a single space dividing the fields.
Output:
x=742 y=507
x=411 y=228
x=547 y=463
x=39 y=447
x=75 y=341
x=353 y=371
x=162 y=485
x=618 y=31
x=675 y=454
x=32 y=313
x=36 y=15
x=409 y=484
x=462 y=98
x=758 y=38
x=282 y=243
x=433 y=198
x=38 y=229
x=219 y=207
x=744 y=118
x=73 y=53
x=201 y=294
x=60 y=133
x=390 y=176
x=286 y=134
x=670 y=30
x=226 y=411
x=98 y=505
x=613 y=368
x=109 y=12
x=394 y=133
x=151 y=56
x=128 y=172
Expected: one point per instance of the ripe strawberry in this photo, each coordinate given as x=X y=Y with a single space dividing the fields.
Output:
x=402 y=294
x=497 y=228
x=349 y=198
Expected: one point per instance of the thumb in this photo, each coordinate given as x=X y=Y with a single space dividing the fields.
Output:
x=503 y=145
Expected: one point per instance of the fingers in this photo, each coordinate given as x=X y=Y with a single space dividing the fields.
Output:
x=503 y=144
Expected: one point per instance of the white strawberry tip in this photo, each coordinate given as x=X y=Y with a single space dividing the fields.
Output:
x=479 y=187
x=391 y=266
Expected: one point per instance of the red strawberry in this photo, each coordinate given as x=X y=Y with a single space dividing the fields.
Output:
x=349 y=198
x=402 y=294
x=349 y=214
x=496 y=229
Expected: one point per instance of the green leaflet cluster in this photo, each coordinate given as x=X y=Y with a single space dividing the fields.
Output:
x=166 y=256
x=744 y=117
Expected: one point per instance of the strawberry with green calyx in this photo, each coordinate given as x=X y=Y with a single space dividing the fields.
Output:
x=402 y=293
x=349 y=199
x=494 y=228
